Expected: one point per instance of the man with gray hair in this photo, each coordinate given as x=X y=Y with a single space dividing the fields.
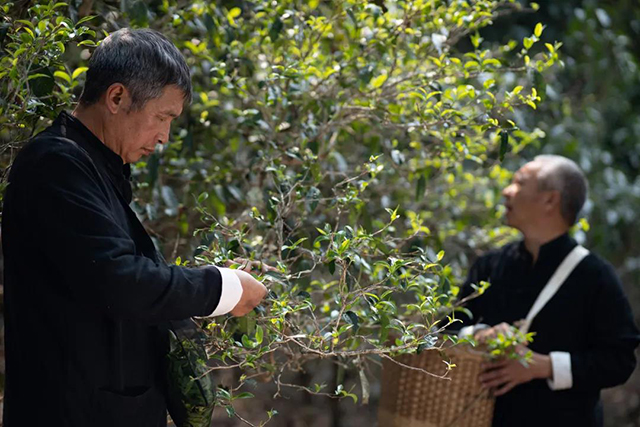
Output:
x=88 y=298
x=546 y=283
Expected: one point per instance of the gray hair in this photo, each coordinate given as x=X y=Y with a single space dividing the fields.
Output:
x=558 y=173
x=143 y=60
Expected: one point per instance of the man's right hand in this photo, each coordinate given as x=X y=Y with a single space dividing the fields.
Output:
x=486 y=334
x=253 y=292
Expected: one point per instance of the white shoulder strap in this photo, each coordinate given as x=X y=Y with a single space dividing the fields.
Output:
x=563 y=271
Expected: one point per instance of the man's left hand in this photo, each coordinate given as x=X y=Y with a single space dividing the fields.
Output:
x=503 y=375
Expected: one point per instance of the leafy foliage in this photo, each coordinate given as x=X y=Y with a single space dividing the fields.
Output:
x=192 y=392
x=356 y=146
x=506 y=345
x=34 y=81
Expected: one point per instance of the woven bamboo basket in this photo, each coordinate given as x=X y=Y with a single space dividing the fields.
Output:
x=414 y=399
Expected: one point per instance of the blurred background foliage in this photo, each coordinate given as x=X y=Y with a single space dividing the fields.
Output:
x=313 y=121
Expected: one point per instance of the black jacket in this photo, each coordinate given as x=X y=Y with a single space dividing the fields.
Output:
x=87 y=297
x=589 y=317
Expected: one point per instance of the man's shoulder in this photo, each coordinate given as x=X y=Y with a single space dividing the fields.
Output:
x=49 y=142
x=594 y=265
x=507 y=250
x=46 y=147
x=492 y=261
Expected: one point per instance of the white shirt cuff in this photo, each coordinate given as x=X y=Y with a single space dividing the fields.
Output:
x=470 y=331
x=561 y=367
x=231 y=292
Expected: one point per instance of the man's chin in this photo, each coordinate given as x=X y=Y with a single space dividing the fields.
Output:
x=136 y=158
x=508 y=220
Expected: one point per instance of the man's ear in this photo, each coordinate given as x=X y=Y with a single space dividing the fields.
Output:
x=552 y=200
x=117 y=98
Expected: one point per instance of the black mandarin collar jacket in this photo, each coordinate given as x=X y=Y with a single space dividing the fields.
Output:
x=87 y=297
x=589 y=317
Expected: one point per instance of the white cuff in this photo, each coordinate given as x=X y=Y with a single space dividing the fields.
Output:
x=561 y=367
x=231 y=292
x=470 y=331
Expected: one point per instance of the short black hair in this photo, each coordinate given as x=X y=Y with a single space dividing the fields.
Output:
x=143 y=60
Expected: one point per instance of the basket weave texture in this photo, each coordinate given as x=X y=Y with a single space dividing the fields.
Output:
x=414 y=399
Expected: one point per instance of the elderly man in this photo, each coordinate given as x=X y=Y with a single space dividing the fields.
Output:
x=87 y=296
x=585 y=332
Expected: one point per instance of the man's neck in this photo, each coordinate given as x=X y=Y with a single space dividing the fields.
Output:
x=534 y=241
x=92 y=119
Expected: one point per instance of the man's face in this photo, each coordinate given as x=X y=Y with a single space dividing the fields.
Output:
x=139 y=131
x=523 y=200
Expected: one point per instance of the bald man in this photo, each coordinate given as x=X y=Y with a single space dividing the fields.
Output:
x=585 y=332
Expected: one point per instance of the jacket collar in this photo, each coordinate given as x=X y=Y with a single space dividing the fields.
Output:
x=119 y=172
x=551 y=253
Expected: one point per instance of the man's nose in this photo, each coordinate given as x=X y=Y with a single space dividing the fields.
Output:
x=506 y=193
x=162 y=138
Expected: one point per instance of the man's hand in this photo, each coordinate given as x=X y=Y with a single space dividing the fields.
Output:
x=483 y=335
x=503 y=375
x=253 y=292
x=250 y=266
